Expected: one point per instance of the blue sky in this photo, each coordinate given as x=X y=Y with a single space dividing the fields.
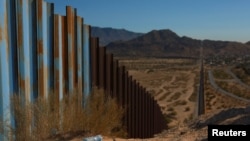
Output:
x=199 y=19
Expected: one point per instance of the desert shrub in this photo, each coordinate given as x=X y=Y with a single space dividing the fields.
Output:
x=51 y=119
x=104 y=115
x=187 y=109
x=221 y=74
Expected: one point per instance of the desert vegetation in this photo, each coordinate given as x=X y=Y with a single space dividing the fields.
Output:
x=65 y=119
x=214 y=100
x=230 y=84
x=221 y=74
x=234 y=88
x=242 y=73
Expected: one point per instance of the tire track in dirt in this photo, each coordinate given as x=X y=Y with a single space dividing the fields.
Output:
x=174 y=94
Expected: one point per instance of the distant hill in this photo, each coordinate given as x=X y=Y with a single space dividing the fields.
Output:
x=166 y=43
x=248 y=43
x=107 y=35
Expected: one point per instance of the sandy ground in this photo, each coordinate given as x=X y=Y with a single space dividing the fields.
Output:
x=175 y=89
x=172 y=89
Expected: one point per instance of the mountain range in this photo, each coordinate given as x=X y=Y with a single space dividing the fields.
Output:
x=107 y=35
x=166 y=43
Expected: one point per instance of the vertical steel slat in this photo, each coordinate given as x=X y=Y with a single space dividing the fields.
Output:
x=154 y=118
x=64 y=48
x=102 y=70
x=159 y=118
x=75 y=47
x=144 y=113
x=79 y=55
x=42 y=49
x=13 y=59
x=94 y=61
x=136 y=109
x=86 y=60
x=50 y=43
x=126 y=78
x=121 y=85
x=145 y=118
x=79 y=29
x=5 y=108
x=109 y=72
x=23 y=37
x=150 y=117
x=140 y=111
x=64 y=42
x=153 y=115
x=133 y=107
x=71 y=48
x=58 y=67
x=45 y=54
x=39 y=6
x=115 y=79
x=33 y=49
x=129 y=126
x=24 y=56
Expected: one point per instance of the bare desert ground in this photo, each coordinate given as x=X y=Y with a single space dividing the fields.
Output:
x=174 y=84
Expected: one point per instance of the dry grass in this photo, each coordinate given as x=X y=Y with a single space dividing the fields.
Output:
x=221 y=74
x=234 y=88
x=52 y=119
x=242 y=74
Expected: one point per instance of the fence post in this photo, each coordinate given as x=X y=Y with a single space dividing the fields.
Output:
x=149 y=128
x=79 y=54
x=130 y=108
x=144 y=123
x=50 y=43
x=109 y=72
x=33 y=49
x=137 y=109
x=70 y=15
x=115 y=79
x=126 y=93
x=151 y=114
x=102 y=65
x=140 y=111
x=86 y=61
x=5 y=109
x=42 y=49
x=94 y=62
x=133 y=108
x=23 y=38
x=121 y=85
